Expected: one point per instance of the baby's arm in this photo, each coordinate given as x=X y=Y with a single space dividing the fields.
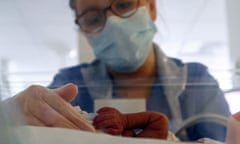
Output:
x=152 y=124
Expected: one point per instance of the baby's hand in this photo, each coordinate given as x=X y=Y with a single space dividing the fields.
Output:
x=150 y=124
x=110 y=121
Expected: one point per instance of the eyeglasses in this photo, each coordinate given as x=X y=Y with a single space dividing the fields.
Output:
x=93 y=20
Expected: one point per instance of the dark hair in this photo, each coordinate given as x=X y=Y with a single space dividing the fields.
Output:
x=72 y=4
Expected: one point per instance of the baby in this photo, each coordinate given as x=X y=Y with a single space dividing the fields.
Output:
x=143 y=124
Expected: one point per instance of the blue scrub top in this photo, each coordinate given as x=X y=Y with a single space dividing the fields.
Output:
x=181 y=91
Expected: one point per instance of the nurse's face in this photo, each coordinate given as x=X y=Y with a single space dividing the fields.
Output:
x=92 y=14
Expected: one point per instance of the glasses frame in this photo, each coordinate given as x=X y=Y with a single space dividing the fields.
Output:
x=104 y=12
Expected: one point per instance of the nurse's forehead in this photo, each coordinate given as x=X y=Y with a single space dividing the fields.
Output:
x=81 y=5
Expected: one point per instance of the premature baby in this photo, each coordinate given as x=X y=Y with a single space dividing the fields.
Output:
x=142 y=124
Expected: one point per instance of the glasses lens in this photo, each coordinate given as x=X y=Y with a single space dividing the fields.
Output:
x=92 y=21
x=125 y=8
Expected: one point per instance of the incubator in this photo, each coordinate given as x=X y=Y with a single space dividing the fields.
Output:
x=35 y=135
x=177 y=134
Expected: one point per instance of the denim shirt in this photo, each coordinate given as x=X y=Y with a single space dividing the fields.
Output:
x=181 y=91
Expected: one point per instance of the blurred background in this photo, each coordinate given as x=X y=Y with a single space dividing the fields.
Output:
x=37 y=38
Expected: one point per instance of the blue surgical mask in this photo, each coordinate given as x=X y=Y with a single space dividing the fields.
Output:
x=124 y=43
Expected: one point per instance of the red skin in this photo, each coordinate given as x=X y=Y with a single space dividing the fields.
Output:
x=111 y=121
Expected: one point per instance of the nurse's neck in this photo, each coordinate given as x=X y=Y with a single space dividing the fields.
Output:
x=146 y=73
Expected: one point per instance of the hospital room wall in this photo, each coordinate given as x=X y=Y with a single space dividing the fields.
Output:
x=183 y=27
x=233 y=11
x=192 y=31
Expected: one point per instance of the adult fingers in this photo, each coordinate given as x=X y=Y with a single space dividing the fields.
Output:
x=67 y=92
x=66 y=110
x=44 y=113
x=50 y=108
x=30 y=120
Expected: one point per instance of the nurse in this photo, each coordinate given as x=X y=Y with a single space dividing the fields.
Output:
x=129 y=65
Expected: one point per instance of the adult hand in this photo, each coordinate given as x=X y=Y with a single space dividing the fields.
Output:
x=44 y=107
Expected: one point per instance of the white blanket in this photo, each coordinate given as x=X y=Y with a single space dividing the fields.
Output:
x=43 y=135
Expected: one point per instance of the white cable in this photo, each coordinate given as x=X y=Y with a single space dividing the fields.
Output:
x=219 y=119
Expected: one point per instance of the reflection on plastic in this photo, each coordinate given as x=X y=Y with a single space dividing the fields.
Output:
x=218 y=119
x=123 y=105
